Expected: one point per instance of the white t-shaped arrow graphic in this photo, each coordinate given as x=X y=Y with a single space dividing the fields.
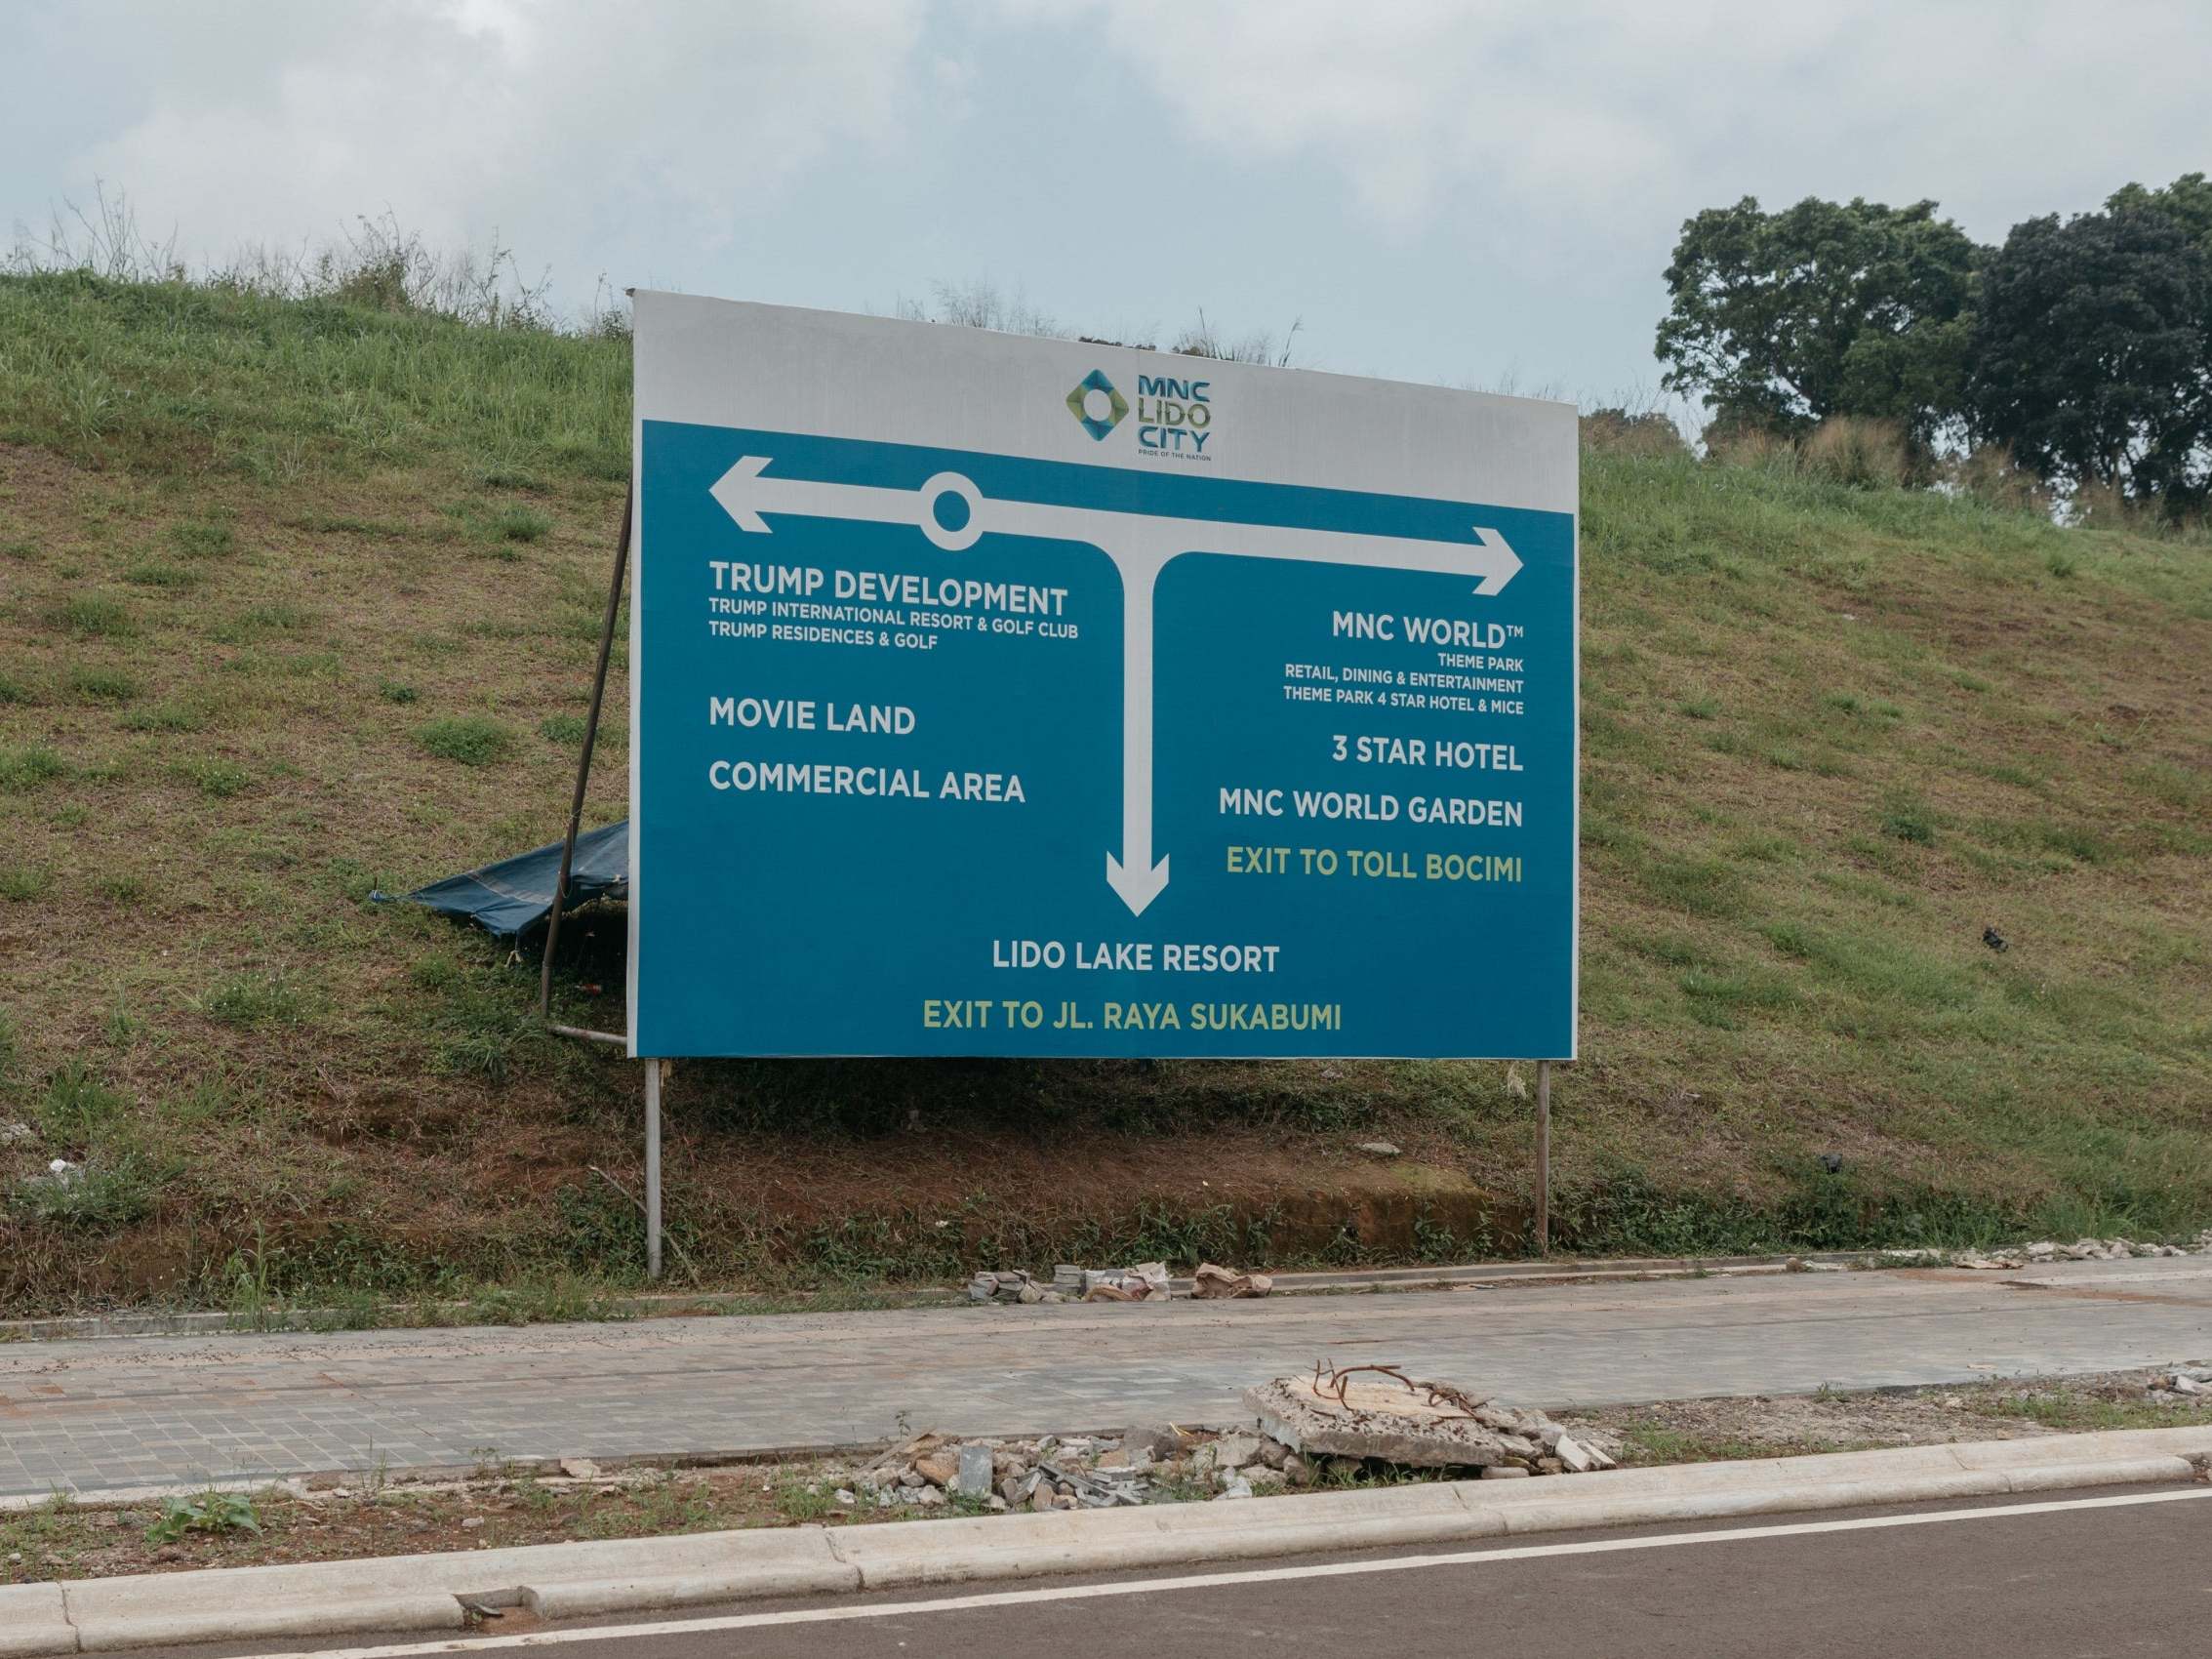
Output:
x=1139 y=544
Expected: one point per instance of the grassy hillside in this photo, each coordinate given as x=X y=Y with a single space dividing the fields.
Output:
x=297 y=600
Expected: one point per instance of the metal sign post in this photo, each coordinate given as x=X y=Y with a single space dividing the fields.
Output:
x=653 y=1075
x=1544 y=1158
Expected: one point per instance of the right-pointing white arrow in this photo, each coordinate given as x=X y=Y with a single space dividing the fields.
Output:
x=1139 y=546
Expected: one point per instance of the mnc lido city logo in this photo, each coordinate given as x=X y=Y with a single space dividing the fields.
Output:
x=1173 y=418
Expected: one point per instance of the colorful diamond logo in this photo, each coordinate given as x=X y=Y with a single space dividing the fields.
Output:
x=1097 y=419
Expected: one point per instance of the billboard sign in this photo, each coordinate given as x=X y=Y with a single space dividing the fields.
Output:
x=1004 y=696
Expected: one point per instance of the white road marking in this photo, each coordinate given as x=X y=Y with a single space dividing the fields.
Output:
x=1221 y=1580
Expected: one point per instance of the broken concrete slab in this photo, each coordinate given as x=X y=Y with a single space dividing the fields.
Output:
x=1373 y=1415
x=973 y=1471
x=1214 y=1282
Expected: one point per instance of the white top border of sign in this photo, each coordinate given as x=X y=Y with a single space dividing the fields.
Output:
x=774 y=368
x=787 y=369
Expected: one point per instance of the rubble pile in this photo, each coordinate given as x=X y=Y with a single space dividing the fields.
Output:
x=1331 y=1427
x=1147 y=1281
x=1377 y=1413
x=1054 y=1472
x=2045 y=1250
x=2184 y=1384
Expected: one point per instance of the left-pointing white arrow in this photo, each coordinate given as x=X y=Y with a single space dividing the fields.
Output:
x=746 y=494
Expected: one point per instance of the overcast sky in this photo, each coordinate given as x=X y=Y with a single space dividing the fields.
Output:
x=1454 y=192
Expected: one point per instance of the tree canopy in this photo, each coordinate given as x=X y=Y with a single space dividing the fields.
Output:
x=2093 y=349
x=1785 y=318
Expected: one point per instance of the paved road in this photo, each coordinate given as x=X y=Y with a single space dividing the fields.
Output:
x=99 y=1414
x=2086 y=1575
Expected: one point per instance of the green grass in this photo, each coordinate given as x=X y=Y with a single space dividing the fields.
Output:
x=469 y=739
x=194 y=541
x=96 y=616
x=255 y=1000
x=88 y=684
x=28 y=767
x=310 y=613
x=522 y=524
x=20 y=883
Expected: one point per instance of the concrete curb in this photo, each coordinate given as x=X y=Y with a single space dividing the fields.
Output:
x=425 y=1593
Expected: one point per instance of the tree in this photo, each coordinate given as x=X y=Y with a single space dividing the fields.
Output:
x=2186 y=201
x=1782 y=319
x=2093 y=350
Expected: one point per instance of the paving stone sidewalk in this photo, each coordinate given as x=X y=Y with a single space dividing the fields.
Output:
x=92 y=1414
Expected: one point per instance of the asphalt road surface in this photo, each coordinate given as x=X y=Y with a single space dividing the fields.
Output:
x=2078 y=1575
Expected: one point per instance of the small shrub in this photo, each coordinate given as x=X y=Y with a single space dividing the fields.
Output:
x=1736 y=444
x=469 y=739
x=1992 y=476
x=201 y=541
x=1616 y=432
x=102 y=685
x=1846 y=449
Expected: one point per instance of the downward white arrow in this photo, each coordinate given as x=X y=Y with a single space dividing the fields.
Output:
x=1139 y=546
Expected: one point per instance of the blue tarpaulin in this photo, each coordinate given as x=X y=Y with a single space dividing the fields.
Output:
x=516 y=894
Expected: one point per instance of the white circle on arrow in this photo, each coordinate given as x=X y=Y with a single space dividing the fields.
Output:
x=971 y=528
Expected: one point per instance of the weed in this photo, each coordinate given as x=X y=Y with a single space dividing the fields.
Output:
x=393 y=691
x=254 y=999
x=563 y=728
x=218 y=1514
x=804 y=1499
x=221 y=779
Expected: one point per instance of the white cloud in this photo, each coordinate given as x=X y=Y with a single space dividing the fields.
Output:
x=1609 y=116
x=567 y=124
